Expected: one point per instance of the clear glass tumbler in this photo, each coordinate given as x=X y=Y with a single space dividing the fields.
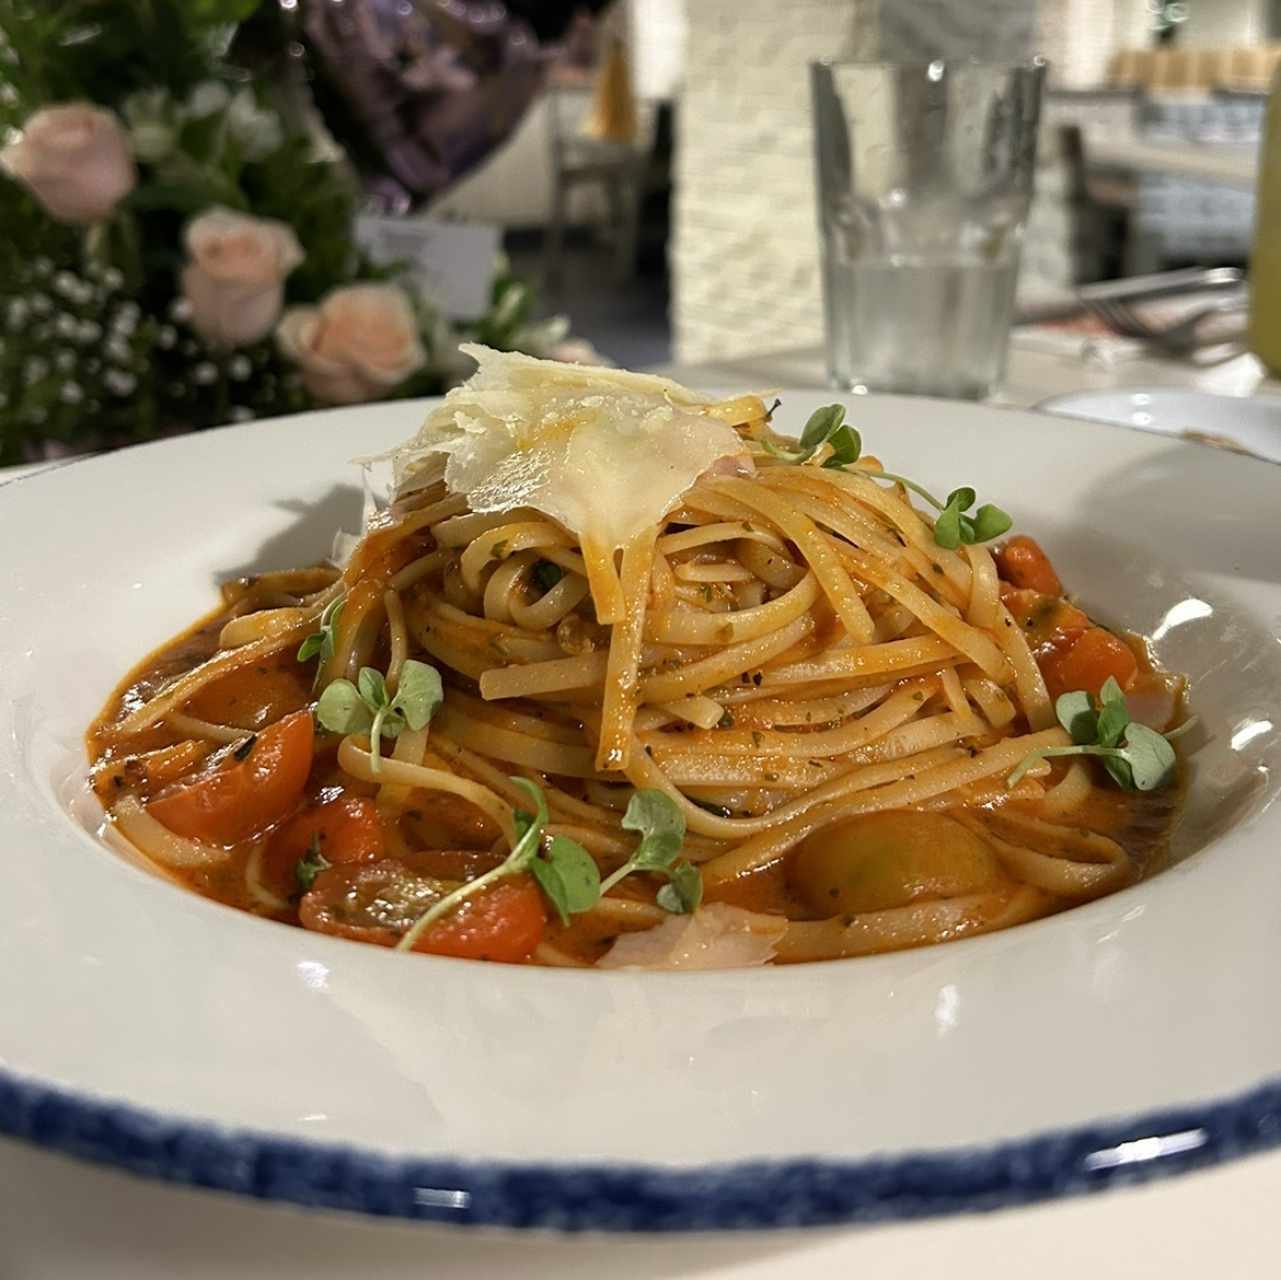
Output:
x=924 y=180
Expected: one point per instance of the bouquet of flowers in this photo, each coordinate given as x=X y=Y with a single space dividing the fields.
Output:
x=177 y=240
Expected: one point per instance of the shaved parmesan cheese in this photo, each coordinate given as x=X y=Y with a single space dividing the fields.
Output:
x=714 y=937
x=605 y=452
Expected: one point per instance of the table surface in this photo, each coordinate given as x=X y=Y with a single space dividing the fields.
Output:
x=1044 y=361
x=62 y=1220
x=1234 y=163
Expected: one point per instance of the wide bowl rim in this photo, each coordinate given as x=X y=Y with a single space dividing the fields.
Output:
x=636 y=1197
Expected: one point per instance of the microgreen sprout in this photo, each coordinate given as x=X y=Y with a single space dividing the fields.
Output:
x=567 y=873
x=825 y=426
x=568 y=877
x=366 y=706
x=1138 y=758
x=564 y=870
x=310 y=865
x=322 y=642
x=662 y=830
x=954 y=526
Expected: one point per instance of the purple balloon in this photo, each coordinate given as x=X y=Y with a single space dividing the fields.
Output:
x=437 y=85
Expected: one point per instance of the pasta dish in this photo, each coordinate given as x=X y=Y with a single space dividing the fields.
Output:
x=616 y=676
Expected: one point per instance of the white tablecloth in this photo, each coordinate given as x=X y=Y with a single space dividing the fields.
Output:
x=1043 y=362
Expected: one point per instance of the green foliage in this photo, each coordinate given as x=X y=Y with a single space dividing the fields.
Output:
x=114 y=360
x=62 y=50
x=318 y=199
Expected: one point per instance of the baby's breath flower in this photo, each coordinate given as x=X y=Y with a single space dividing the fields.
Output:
x=119 y=382
x=117 y=350
x=67 y=285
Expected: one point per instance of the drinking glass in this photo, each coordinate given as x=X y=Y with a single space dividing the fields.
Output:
x=924 y=180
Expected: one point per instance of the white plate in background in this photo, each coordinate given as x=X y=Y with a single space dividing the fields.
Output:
x=1250 y=425
x=153 y=1030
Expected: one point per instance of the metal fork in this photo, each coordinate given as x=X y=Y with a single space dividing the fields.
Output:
x=1178 y=338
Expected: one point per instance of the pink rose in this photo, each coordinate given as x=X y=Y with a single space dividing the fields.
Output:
x=358 y=344
x=75 y=159
x=234 y=280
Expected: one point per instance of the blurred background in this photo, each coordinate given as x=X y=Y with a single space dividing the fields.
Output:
x=566 y=178
x=1148 y=155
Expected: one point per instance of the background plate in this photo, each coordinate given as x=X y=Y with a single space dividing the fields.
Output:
x=1251 y=424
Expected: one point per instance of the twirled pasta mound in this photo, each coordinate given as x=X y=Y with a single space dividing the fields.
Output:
x=620 y=678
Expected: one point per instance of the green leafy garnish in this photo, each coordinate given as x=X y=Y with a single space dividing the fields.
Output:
x=1137 y=758
x=954 y=526
x=547 y=574
x=322 y=642
x=565 y=871
x=683 y=891
x=310 y=865
x=825 y=426
x=568 y=876
x=662 y=830
x=366 y=707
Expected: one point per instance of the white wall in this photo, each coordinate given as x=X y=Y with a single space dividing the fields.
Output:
x=1080 y=36
x=1221 y=24
x=656 y=34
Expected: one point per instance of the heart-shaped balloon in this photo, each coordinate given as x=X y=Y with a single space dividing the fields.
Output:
x=432 y=86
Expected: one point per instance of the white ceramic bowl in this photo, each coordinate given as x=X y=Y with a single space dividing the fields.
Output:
x=155 y=1030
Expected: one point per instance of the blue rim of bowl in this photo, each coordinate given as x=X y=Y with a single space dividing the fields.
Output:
x=602 y=1196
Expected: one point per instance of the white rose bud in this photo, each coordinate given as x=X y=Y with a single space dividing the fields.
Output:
x=359 y=343
x=234 y=281
x=75 y=159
